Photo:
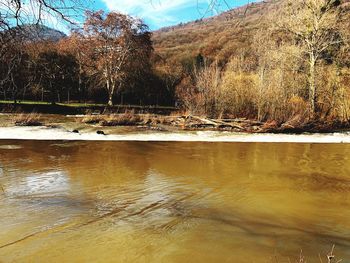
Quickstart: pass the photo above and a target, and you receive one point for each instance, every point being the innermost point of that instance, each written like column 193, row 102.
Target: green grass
column 25, row 102
column 82, row 105
column 29, row 102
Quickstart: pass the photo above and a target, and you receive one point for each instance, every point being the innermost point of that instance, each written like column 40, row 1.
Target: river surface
column 104, row 201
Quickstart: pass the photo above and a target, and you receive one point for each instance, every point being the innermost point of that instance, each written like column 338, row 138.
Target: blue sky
column 161, row 13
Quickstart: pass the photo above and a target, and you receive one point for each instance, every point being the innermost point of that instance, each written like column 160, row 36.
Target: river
column 134, row 201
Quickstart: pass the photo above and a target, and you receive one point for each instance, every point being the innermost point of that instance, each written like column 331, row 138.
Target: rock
column 101, row 132
column 75, row 131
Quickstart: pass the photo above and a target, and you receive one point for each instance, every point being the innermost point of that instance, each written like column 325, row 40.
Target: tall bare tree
column 207, row 80
column 118, row 45
column 314, row 26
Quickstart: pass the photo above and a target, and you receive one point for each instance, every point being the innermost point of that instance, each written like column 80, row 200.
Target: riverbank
column 45, row 133
column 29, row 113
column 130, row 120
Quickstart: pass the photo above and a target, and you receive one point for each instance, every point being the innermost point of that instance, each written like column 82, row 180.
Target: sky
column 155, row 13
column 162, row 13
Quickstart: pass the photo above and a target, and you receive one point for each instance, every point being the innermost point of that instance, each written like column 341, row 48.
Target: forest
column 108, row 60
column 281, row 61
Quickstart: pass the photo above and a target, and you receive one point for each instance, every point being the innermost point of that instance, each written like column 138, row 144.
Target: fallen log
column 222, row 124
column 213, row 123
column 205, row 120
column 252, row 122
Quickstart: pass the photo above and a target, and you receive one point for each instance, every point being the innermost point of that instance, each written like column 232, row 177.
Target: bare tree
column 15, row 13
column 118, row 45
column 207, row 81
column 73, row 46
column 314, row 26
column 19, row 12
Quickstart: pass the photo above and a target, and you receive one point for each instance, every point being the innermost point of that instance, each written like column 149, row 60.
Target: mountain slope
column 217, row 37
column 33, row 33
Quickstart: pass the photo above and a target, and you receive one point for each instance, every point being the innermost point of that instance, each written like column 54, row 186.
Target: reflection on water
column 172, row 202
column 34, row 184
column 10, row 147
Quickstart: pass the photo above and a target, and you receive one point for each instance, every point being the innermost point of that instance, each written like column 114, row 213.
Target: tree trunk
column 79, row 88
column 52, row 95
column 110, row 99
column 261, row 87
column 110, row 93
column 24, row 92
column 312, row 85
column 84, row 93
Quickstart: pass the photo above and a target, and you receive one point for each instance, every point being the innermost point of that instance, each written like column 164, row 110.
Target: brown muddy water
column 172, row 201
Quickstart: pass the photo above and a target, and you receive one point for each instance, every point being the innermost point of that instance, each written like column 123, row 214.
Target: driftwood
column 183, row 122
column 222, row 124
column 204, row 120
column 214, row 123
column 251, row 122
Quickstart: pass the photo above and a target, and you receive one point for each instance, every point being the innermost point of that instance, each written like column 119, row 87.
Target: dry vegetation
column 282, row 62
column 128, row 118
column 32, row 119
column 183, row 121
column 278, row 63
column 330, row 257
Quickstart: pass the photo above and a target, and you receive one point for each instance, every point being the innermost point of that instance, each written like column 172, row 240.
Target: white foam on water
column 44, row 133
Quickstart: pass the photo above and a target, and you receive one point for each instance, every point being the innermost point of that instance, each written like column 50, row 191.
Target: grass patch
column 92, row 119
column 128, row 118
column 32, row 119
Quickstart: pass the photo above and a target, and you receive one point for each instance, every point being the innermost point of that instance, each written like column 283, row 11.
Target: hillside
column 218, row 37
column 289, row 74
column 35, row 33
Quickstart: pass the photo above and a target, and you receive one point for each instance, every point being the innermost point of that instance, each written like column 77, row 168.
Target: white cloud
column 159, row 13
column 155, row 12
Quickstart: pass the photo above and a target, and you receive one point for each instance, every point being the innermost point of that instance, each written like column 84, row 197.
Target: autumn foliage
column 108, row 60
column 283, row 61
